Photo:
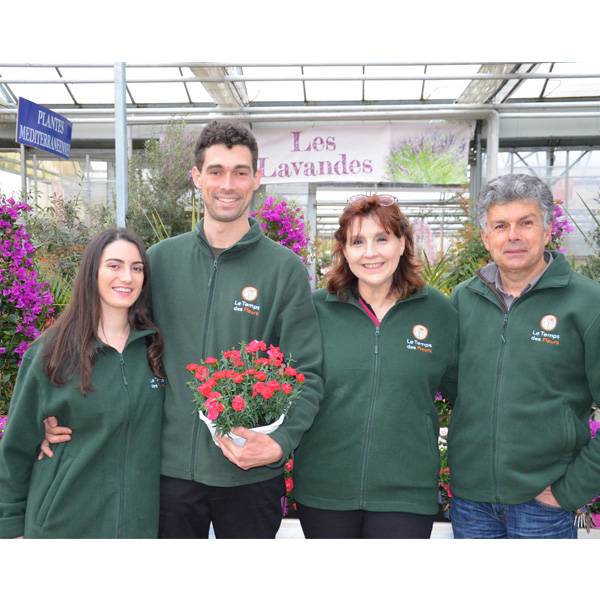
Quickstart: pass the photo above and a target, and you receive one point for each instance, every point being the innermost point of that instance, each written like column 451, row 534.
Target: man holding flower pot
column 521, row 456
column 222, row 284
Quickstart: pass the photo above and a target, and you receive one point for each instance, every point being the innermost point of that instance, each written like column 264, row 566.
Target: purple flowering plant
column 3, row 420
column 560, row 227
column 595, row 503
column 588, row 516
column 25, row 299
column 284, row 222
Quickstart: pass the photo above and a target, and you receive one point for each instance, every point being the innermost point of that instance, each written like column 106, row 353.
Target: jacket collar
column 352, row 300
column 252, row 237
column 134, row 334
column 557, row 275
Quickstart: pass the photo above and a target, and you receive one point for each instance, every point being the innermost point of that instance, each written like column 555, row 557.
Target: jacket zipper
column 374, row 381
column 373, row 395
column 211, row 293
column 495, row 466
column 122, row 499
column 495, row 406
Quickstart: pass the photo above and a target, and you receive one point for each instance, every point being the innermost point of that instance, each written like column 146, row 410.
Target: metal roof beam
column 243, row 78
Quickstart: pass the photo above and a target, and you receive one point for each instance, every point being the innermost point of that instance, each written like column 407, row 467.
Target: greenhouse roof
column 87, row 91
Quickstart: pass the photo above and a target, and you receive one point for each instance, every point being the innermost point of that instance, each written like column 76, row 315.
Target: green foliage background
column 162, row 198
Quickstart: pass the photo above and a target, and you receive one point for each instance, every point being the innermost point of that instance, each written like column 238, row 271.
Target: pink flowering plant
column 3, row 420
column 247, row 387
column 444, row 413
column 594, row 505
column 588, row 516
column 284, row 223
column 288, row 502
column 25, row 299
column 560, row 227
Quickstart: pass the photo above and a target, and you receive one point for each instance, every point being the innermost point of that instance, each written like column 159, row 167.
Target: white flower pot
column 236, row 439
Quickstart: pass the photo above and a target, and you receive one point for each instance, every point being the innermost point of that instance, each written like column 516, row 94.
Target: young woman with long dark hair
column 98, row 368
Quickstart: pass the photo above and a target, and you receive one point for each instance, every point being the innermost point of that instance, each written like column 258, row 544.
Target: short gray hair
column 509, row 188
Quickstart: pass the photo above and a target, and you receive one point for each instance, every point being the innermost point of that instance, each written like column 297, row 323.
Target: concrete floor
column 290, row 529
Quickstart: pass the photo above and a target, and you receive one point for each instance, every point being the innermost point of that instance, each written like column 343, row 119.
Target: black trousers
column 352, row 524
column 251, row 511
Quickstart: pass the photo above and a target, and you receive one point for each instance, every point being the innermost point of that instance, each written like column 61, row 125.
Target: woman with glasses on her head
column 368, row 467
column 98, row 368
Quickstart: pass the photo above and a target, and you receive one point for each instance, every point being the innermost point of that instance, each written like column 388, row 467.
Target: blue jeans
column 527, row 520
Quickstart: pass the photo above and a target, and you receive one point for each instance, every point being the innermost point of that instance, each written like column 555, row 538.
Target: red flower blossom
column 286, row 388
column 255, row 346
column 300, row 378
column 260, row 376
column 234, row 356
column 206, row 388
column 290, row 371
column 214, row 408
column 211, row 360
column 238, row 404
column 201, row 373
column 289, row 484
column 289, row 465
column 263, row 389
column 274, row 353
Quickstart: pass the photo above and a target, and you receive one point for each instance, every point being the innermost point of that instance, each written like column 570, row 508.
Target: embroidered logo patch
column 157, row 382
column 546, row 333
column 420, row 333
column 249, row 293
column 548, row 322
column 247, row 304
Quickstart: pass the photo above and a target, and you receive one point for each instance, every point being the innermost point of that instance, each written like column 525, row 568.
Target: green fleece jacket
column 105, row 482
column 374, row 444
column 527, row 379
column 257, row 289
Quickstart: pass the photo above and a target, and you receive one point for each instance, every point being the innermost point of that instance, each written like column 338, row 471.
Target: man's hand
column 547, row 497
column 259, row 450
column 54, row 435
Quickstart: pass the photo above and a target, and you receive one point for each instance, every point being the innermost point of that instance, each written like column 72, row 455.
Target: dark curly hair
column 228, row 134
column 406, row 279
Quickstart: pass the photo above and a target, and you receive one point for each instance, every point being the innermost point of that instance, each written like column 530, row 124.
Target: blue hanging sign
column 42, row 128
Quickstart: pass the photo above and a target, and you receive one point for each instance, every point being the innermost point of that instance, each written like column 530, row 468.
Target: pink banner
column 407, row 152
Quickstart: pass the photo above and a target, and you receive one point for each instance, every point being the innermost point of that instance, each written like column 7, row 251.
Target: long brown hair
column 70, row 343
column 406, row 279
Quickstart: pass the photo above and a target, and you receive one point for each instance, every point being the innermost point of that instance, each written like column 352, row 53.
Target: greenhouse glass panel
column 532, row 88
column 333, row 90
column 274, row 91
column 40, row 93
column 156, row 92
column 440, row 89
column 561, row 88
column 393, row 90
column 91, row 93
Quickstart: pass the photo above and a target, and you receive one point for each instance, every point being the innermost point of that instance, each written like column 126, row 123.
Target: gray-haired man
column 521, row 456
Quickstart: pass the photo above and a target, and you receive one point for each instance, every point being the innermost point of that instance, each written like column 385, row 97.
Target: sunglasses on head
column 384, row 199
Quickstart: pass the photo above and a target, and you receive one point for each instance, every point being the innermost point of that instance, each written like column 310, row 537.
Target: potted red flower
column 249, row 387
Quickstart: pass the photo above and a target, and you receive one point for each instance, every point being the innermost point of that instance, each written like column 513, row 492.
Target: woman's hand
column 55, row 434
